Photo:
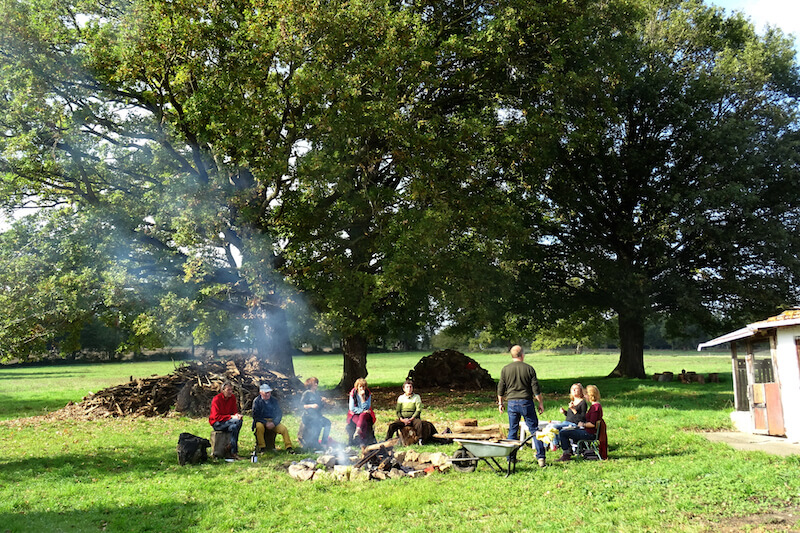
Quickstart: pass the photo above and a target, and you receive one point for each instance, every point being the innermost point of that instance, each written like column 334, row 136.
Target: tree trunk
column 631, row 346
column 272, row 338
column 354, row 349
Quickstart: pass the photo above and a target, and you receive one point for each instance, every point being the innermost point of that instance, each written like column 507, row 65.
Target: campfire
column 376, row 462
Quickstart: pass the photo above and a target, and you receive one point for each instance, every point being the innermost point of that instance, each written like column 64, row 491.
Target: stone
column 301, row 472
column 342, row 472
column 359, row 474
column 438, row 459
column 327, row 461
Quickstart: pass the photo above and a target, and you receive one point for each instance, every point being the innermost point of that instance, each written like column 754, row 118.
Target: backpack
column 192, row 449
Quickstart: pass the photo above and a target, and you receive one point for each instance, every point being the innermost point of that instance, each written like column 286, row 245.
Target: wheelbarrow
column 466, row 458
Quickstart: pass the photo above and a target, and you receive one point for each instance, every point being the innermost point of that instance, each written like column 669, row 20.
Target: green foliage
column 660, row 180
column 496, row 166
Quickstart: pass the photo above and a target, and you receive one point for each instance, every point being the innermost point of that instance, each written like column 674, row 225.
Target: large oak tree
column 670, row 155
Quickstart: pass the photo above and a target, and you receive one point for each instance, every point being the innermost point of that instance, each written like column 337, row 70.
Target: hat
column 265, row 388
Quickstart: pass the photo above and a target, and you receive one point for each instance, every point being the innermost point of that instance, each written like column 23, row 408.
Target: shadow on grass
column 166, row 516
column 40, row 375
column 12, row 407
column 89, row 467
column 646, row 393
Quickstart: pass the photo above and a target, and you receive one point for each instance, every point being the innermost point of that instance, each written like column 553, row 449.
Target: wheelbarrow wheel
column 462, row 462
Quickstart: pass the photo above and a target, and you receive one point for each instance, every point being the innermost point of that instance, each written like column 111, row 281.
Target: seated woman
column 586, row 430
column 360, row 417
column 312, row 421
column 575, row 414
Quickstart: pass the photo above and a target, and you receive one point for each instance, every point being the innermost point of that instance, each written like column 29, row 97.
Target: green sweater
column 518, row 382
column 409, row 407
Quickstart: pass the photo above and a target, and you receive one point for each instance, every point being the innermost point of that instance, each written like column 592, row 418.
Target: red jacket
column 222, row 408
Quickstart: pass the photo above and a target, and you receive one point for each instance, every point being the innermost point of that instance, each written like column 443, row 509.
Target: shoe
column 290, row 450
column 236, row 457
column 542, row 463
column 263, row 449
column 566, row 456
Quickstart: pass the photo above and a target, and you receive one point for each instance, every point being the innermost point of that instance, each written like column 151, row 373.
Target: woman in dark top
column 586, row 430
column 313, row 421
column 575, row 413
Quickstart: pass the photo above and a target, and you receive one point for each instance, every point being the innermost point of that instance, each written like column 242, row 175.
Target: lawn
column 663, row 475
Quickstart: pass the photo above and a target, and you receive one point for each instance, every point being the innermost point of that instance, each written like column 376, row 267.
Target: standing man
column 225, row 416
column 519, row 385
column 267, row 415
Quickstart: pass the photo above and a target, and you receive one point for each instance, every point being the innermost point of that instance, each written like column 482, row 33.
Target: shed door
column 767, row 406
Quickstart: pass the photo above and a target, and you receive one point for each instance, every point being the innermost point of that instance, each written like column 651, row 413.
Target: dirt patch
column 785, row 519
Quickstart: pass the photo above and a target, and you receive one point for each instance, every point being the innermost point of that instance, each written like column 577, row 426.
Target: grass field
column 663, row 475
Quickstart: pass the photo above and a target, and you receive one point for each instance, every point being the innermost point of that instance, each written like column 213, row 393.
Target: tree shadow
column 91, row 467
column 40, row 375
column 165, row 516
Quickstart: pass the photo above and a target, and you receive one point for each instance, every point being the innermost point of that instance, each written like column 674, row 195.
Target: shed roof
column 787, row 318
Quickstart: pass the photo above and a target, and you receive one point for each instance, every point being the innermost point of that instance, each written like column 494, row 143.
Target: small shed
column 765, row 359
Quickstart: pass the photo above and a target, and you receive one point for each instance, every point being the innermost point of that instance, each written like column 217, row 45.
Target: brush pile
column 188, row 390
column 452, row 370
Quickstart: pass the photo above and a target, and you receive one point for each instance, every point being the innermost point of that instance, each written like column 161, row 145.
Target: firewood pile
column 452, row 370
column 468, row 429
column 188, row 390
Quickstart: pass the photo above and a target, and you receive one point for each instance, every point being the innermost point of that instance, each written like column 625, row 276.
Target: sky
column 784, row 14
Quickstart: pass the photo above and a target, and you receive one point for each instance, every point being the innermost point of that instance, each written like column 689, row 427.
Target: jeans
column 518, row 409
column 312, row 426
column 574, row 435
column 231, row 426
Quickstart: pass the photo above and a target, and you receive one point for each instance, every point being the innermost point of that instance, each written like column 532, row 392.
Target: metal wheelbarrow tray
column 466, row 458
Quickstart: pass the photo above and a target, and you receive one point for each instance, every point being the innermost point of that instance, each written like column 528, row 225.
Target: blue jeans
column 518, row 409
column 574, row 435
column 231, row 426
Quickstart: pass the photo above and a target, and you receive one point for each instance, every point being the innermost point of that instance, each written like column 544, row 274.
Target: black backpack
column 192, row 449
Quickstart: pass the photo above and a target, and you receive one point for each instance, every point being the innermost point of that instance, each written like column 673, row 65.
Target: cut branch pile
column 188, row 390
column 452, row 370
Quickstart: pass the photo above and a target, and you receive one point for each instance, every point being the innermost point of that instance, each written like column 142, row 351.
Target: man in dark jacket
column 267, row 417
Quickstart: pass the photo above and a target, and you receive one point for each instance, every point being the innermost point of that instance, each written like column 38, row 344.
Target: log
column 494, row 428
column 220, row 444
column 470, row 436
column 388, row 444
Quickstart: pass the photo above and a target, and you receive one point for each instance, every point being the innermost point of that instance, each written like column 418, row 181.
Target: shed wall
column 787, row 361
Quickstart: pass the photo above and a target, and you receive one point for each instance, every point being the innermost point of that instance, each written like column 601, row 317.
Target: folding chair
column 598, row 444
